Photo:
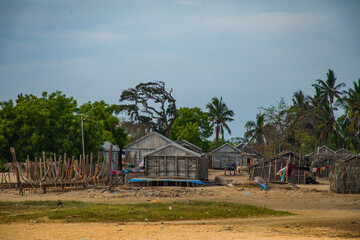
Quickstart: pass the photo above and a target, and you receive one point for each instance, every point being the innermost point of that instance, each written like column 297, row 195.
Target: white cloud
column 267, row 24
column 187, row 2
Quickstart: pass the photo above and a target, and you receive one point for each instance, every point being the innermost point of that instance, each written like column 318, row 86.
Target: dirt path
column 303, row 225
column 320, row 214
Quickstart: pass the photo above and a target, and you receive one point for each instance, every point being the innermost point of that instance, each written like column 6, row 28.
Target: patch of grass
column 76, row 211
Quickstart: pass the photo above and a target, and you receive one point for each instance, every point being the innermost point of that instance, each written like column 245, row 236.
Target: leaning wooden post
column 17, row 169
column 108, row 165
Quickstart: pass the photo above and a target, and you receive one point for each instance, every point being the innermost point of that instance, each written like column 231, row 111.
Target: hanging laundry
column 283, row 179
column 281, row 171
column 291, row 168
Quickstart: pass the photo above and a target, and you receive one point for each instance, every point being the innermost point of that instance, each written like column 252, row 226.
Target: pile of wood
column 60, row 171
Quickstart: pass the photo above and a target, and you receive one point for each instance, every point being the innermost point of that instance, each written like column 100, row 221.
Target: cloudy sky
column 251, row 53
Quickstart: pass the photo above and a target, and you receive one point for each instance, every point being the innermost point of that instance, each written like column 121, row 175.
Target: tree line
column 52, row 122
column 310, row 121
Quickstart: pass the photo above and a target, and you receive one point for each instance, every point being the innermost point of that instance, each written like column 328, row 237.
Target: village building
column 224, row 155
column 189, row 145
column 268, row 169
column 136, row 150
column 248, row 155
column 115, row 155
column 344, row 176
column 175, row 161
column 325, row 156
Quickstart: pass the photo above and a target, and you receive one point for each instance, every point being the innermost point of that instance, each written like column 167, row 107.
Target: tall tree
column 276, row 118
column 300, row 132
column 331, row 93
column 100, row 115
column 219, row 115
column 192, row 125
column 151, row 105
column 255, row 131
column 52, row 123
column 352, row 108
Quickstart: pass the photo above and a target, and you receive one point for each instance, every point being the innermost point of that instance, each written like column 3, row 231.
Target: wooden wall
column 176, row 167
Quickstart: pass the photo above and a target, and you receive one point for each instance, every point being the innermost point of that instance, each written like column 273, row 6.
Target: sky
column 250, row 53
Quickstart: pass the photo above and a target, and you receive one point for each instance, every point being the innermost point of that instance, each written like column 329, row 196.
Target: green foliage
column 150, row 105
column 52, row 123
column 193, row 126
column 101, row 124
column 219, row 115
column 37, row 124
column 309, row 122
column 75, row 211
column 213, row 145
column 2, row 166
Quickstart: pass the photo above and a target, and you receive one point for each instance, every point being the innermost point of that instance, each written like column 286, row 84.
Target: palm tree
column 255, row 131
column 330, row 93
column 300, row 101
column 351, row 102
column 219, row 115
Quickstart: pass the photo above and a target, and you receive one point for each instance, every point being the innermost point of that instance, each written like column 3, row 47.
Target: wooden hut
column 224, row 155
column 175, row 161
column 248, row 155
column 115, row 158
column 324, row 156
column 344, row 176
column 268, row 169
column 136, row 150
column 189, row 145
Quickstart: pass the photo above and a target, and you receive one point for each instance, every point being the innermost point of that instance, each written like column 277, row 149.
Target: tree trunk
column 217, row 129
column 333, row 127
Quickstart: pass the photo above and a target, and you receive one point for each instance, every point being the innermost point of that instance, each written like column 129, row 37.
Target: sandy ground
column 319, row 213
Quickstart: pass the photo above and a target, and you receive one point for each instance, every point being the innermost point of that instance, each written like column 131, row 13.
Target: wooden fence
column 60, row 171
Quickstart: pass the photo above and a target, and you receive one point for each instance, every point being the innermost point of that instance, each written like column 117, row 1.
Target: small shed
column 224, row 155
column 324, row 156
column 344, row 176
column 248, row 155
column 269, row 168
column 136, row 150
column 115, row 158
column 189, row 145
column 175, row 161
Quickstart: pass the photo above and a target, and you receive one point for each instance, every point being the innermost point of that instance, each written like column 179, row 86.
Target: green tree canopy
column 52, row 123
column 192, row 125
column 100, row 118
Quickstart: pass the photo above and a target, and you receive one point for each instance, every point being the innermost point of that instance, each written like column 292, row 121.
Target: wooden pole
column 269, row 172
column 16, row 166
